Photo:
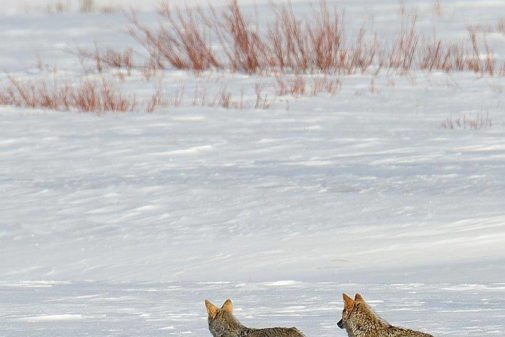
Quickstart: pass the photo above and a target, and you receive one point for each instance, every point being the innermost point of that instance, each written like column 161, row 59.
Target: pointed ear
column 349, row 302
column 227, row 306
column 359, row 298
column 212, row 310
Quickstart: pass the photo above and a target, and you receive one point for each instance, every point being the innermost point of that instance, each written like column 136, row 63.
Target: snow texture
column 55, row 309
column 122, row 224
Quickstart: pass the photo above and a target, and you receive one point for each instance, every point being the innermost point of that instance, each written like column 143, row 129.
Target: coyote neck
column 372, row 326
column 368, row 331
column 390, row 331
column 233, row 330
column 245, row 331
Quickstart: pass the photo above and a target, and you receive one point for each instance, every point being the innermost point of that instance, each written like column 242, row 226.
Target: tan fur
column 348, row 302
column 359, row 319
column 359, row 298
column 211, row 309
column 227, row 306
column 222, row 323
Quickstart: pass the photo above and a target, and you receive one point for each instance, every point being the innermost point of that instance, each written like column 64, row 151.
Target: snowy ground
column 328, row 187
column 113, row 225
column 176, row 309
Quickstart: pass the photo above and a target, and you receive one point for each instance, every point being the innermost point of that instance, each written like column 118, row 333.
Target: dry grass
column 182, row 41
column 157, row 100
column 412, row 51
column 58, row 7
column 289, row 46
column 241, row 41
column 86, row 6
column 296, row 86
column 500, row 27
column 404, row 49
column 437, row 9
column 90, row 6
column 326, row 85
column 223, row 98
column 88, row 96
column 262, row 100
column 81, row 6
column 220, row 98
column 476, row 122
column 108, row 58
column 197, row 39
column 300, row 85
column 326, row 40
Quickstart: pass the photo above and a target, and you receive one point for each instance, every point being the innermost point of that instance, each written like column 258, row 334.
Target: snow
column 122, row 224
column 210, row 194
column 174, row 309
column 51, row 318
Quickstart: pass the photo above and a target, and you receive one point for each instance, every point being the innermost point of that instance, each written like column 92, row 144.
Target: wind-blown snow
column 331, row 189
column 122, row 224
column 175, row 309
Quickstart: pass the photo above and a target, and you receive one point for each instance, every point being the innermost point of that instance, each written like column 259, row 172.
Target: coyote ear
column 227, row 306
column 211, row 309
column 349, row 302
column 359, row 298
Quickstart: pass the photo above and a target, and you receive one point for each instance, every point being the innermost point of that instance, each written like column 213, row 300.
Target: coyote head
column 358, row 318
column 221, row 320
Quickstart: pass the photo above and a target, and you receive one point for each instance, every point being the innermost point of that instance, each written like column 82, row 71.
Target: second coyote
column 222, row 323
column 361, row 321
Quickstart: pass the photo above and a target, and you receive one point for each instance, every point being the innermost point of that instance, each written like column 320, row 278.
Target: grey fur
column 362, row 321
column 224, row 324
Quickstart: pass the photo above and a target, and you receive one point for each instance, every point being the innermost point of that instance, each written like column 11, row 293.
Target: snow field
column 175, row 309
column 122, row 224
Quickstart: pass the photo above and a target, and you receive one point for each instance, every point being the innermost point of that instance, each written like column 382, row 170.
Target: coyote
column 361, row 321
column 222, row 323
